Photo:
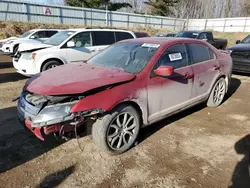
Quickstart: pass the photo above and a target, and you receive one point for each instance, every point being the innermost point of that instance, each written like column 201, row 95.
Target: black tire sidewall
column 101, row 126
column 15, row 49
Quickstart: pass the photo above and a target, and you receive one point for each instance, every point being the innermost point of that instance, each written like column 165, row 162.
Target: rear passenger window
column 200, row 53
column 212, row 54
column 50, row 33
column 122, row 36
column 103, row 37
column 175, row 56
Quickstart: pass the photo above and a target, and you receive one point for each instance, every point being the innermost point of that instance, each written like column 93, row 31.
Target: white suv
column 31, row 36
column 65, row 47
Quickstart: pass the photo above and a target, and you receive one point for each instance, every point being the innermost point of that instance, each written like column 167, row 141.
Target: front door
column 169, row 94
column 80, row 51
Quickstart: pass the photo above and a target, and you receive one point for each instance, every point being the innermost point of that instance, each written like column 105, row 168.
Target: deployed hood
column 32, row 46
column 240, row 47
column 75, row 78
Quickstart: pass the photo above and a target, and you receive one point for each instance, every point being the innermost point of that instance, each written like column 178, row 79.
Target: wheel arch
column 220, row 76
column 226, row 79
column 15, row 46
column 50, row 59
column 134, row 105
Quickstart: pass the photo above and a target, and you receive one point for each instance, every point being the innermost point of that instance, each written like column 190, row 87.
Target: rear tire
column 217, row 94
column 117, row 131
column 50, row 64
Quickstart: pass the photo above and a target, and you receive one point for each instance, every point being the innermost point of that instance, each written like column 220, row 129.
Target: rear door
column 206, row 69
column 101, row 40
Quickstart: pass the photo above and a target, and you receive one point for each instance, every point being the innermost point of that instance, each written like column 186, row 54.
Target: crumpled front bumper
column 25, row 114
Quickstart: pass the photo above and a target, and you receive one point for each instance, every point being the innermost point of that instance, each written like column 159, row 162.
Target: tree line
column 172, row 8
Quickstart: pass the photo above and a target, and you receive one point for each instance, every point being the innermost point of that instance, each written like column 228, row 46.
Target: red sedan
column 127, row 86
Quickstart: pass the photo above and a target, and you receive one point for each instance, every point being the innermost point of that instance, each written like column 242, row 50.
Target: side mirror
column 164, row 71
column 238, row 41
column 71, row 44
column 33, row 37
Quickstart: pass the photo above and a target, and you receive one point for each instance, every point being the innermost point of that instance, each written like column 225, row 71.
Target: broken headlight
column 53, row 114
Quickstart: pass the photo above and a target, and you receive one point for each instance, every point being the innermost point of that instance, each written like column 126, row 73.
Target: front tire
column 217, row 94
column 15, row 49
column 117, row 131
column 50, row 64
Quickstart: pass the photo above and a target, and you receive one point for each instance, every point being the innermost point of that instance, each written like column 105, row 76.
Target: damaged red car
column 129, row 85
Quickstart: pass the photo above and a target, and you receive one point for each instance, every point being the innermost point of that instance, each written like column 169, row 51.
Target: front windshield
column 25, row 34
column 246, row 40
column 187, row 34
column 58, row 38
column 130, row 57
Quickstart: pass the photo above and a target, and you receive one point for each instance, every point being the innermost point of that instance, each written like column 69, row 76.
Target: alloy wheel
column 121, row 131
column 219, row 92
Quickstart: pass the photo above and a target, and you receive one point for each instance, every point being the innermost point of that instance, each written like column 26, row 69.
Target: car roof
column 194, row 31
column 86, row 29
column 46, row 30
column 162, row 40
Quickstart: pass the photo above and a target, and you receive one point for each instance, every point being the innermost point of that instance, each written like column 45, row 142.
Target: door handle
column 216, row 67
column 188, row 76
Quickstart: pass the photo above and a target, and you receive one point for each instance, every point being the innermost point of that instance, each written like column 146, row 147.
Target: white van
column 31, row 36
column 65, row 47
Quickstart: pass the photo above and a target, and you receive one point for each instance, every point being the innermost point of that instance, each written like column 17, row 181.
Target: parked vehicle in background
column 240, row 54
column 165, row 35
column 205, row 36
column 246, row 40
column 31, row 36
column 2, row 42
column 125, row 87
column 65, row 47
column 140, row 34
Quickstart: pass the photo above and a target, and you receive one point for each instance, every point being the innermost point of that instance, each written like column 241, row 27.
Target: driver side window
column 175, row 56
column 82, row 39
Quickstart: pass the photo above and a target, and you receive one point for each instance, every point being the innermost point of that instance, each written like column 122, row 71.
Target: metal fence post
column 6, row 14
column 225, row 25
column 206, row 24
column 244, row 30
column 187, row 24
column 61, row 15
column 161, row 22
column 128, row 21
column 175, row 23
column 91, row 16
column 110, row 19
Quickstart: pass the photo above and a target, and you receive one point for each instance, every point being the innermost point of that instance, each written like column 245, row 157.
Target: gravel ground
column 201, row 147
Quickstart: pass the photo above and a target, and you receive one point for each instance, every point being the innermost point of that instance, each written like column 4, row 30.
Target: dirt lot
column 201, row 147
